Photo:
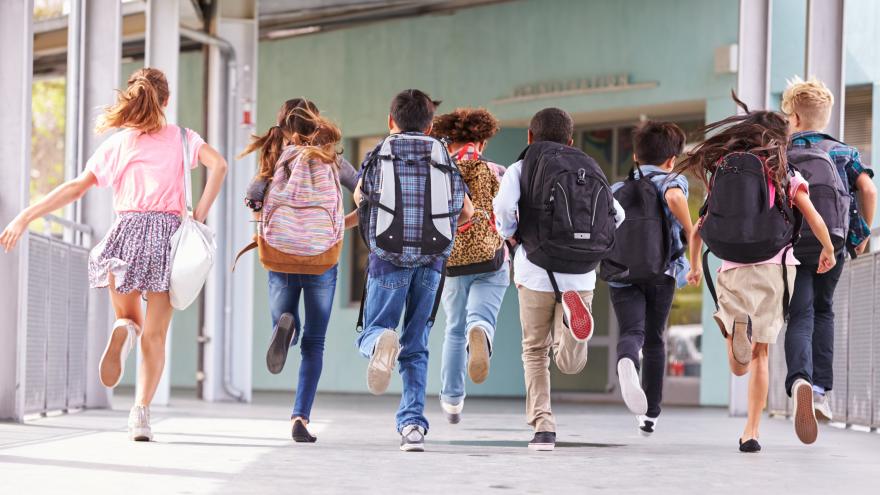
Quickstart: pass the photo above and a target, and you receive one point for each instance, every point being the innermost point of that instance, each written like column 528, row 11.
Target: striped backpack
column 412, row 197
column 302, row 221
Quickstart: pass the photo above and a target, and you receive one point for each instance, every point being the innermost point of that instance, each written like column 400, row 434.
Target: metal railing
column 57, row 317
column 855, row 399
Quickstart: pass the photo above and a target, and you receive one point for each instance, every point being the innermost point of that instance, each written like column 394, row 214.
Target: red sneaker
column 577, row 316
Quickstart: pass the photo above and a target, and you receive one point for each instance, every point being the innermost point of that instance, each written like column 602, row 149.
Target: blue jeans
column 317, row 291
column 468, row 301
column 388, row 294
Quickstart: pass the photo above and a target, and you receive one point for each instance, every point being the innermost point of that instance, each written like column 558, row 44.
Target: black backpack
column 643, row 245
column 828, row 192
column 740, row 222
column 566, row 210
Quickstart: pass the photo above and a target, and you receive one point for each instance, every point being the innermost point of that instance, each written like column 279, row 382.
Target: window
column 360, row 252
column 857, row 120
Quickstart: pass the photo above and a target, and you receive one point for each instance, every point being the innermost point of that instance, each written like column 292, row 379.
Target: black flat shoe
column 749, row 446
column 301, row 434
column 276, row 356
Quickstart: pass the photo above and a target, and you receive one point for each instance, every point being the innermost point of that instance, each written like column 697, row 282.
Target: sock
column 819, row 390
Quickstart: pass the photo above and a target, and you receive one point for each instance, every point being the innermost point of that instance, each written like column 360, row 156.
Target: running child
column 297, row 191
column 848, row 211
column 477, row 272
column 751, row 217
column 564, row 224
column 410, row 199
column 144, row 164
column 650, row 244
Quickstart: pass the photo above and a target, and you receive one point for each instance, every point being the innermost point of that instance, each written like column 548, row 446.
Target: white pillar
column 229, row 296
column 100, row 65
column 162, row 42
column 753, row 88
column 825, row 57
column 16, row 71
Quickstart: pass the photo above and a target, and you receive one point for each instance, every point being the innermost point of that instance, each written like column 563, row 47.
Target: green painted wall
column 473, row 57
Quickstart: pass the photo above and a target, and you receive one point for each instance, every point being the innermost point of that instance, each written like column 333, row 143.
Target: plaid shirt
column 850, row 167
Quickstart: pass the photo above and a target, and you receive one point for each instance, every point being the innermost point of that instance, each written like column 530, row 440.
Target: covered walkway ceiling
column 278, row 19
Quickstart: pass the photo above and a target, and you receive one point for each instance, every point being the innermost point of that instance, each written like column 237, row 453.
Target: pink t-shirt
column 145, row 170
column 796, row 183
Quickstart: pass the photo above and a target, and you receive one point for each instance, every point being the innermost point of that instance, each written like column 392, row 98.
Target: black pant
column 642, row 311
column 809, row 340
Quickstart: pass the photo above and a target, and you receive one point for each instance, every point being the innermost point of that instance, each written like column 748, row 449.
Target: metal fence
column 855, row 399
column 57, row 318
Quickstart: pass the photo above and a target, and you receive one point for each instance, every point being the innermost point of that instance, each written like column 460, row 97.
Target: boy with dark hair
column 408, row 178
column 642, row 306
column 554, row 306
column 809, row 338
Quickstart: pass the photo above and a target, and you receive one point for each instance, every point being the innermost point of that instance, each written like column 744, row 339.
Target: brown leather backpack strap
column 252, row 245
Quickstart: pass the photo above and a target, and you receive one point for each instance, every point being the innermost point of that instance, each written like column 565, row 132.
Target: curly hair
column 465, row 125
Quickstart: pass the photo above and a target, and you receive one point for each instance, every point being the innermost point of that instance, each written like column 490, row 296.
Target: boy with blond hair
column 809, row 341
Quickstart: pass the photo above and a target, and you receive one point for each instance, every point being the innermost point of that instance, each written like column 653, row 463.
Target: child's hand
column 12, row 233
column 695, row 275
column 861, row 247
column 827, row 260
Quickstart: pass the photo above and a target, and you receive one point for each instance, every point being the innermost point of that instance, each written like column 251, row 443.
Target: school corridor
column 244, row 448
column 221, row 418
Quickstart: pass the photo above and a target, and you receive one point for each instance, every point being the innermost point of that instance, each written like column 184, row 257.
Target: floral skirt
column 136, row 252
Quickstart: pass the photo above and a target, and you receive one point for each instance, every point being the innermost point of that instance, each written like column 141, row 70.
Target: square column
column 16, row 72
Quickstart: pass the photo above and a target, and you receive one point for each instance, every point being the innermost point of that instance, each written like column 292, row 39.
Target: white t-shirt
column 526, row 273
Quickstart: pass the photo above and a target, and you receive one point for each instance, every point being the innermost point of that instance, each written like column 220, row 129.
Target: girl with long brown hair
column 143, row 163
column 752, row 296
column 296, row 187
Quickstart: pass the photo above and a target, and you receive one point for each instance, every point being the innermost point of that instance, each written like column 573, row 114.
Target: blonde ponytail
column 140, row 106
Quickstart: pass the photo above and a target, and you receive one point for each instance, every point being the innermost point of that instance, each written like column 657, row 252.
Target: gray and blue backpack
column 412, row 197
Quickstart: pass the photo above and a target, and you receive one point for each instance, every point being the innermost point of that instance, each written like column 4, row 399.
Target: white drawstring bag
column 192, row 246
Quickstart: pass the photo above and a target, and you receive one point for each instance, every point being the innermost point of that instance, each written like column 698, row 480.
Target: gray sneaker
column 822, row 407
column 382, row 362
column 139, row 424
column 412, row 438
column 452, row 412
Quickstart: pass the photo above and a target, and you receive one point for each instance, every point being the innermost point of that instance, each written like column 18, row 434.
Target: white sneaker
column 452, row 412
column 631, row 387
column 804, row 414
column 412, row 438
column 121, row 342
column 382, row 362
column 647, row 425
column 822, row 407
column 139, row 424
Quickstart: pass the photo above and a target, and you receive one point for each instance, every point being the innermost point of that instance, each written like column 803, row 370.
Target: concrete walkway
column 246, row 448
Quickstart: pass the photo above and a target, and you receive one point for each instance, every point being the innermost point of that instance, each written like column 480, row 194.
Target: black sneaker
column 412, row 438
column 543, row 441
column 647, row 425
column 276, row 356
column 301, row 434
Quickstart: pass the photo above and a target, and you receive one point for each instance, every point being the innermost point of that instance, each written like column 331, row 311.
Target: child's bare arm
column 60, row 197
column 820, row 230
column 867, row 196
column 695, row 245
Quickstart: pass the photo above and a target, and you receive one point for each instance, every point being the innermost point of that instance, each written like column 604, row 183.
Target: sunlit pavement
column 246, row 448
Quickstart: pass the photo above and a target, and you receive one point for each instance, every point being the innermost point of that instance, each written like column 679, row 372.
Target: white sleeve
column 620, row 214
column 506, row 203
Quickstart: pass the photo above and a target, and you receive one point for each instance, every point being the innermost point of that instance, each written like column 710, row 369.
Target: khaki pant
column 543, row 331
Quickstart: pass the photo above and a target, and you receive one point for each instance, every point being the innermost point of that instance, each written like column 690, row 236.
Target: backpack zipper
column 567, row 205
column 595, row 206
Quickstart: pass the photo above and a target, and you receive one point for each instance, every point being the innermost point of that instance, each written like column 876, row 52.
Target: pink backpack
column 303, row 213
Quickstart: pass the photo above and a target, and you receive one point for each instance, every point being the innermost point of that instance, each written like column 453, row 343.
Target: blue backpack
column 412, row 195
